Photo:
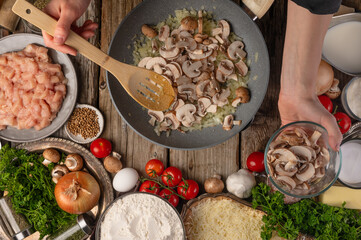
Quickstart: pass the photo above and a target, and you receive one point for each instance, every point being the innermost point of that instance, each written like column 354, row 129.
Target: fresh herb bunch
column 307, row 216
column 29, row 184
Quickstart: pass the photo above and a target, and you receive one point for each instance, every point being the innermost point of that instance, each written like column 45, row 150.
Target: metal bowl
column 98, row 227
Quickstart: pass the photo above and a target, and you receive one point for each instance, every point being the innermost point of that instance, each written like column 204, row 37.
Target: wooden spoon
column 148, row 88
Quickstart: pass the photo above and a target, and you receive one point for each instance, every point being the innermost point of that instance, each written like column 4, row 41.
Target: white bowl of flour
column 140, row 216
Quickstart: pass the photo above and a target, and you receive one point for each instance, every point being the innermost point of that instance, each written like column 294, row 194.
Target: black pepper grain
column 84, row 122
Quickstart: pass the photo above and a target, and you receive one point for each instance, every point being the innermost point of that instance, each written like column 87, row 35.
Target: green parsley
column 31, row 189
column 322, row 221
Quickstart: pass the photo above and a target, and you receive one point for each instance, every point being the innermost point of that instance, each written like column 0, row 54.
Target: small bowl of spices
column 85, row 124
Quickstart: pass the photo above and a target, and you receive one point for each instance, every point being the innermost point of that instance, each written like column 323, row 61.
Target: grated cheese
column 226, row 219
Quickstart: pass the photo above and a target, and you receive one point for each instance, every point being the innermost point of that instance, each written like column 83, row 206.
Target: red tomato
column 326, row 102
column 150, row 187
column 170, row 196
column 343, row 121
column 154, row 168
column 255, row 162
column 172, row 176
column 101, row 148
column 188, row 189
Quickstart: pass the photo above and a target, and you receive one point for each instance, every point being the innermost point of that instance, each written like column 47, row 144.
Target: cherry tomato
column 255, row 162
column 172, row 176
column 189, row 189
column 343, row 121
column 101, row 148
column 326, row 102
column 170, row 196
column 150, row 187
column 154, row 168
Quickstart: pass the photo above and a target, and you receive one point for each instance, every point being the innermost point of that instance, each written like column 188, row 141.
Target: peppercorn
column 84, row 122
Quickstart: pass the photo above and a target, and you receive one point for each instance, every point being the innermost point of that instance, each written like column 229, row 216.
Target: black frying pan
column 154, row 11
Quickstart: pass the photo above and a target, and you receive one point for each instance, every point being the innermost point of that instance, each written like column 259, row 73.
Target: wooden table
column 223, row 159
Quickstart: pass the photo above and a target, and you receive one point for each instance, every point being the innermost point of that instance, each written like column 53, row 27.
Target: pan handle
column 257, row 8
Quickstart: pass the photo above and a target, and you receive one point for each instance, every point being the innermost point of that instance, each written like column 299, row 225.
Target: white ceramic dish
column 345, row 102
column 17, row 42
column 79, row 138
column 337, row 20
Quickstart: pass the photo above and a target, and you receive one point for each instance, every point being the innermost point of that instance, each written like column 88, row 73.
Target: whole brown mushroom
column 74, row 162
column 112, row 164
column 243, row 94
column 189, row 23
column 214, row 184
column 50, row 156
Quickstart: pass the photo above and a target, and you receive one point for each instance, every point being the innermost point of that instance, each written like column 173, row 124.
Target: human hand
column 67, row 11
column 293, row 108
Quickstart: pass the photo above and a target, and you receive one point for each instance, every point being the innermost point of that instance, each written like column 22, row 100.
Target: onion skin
column 87, row 197
column 325, row 77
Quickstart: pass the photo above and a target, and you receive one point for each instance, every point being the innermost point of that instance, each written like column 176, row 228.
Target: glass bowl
column 101, row 219
column 332, row 169
column 350, row 164
column 344, row 101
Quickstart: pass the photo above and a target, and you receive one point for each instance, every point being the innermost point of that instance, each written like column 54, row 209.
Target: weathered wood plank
column 199, row 165
column 135, row 150
column 266, row 121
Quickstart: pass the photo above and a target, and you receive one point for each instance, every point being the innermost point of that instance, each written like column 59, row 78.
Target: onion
column 324, row 78
column 77, row 192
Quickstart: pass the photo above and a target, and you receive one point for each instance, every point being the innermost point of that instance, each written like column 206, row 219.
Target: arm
column 301, row 57
column 67, row 11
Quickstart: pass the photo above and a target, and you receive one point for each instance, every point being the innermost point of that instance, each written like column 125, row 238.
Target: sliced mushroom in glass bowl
column 299, row 160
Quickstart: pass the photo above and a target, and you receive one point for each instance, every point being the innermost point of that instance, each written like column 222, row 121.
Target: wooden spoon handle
column 48, row 24
column 258, row 7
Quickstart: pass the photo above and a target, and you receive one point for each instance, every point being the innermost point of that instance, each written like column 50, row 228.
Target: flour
column 141, row 217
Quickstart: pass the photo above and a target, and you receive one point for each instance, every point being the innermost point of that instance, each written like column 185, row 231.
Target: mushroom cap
column 192, row 69
column 171, row 119
column 163, row 33
column 286, row 181
column 74, row 162
column 242, row 68
column 142, row 63
column 306, row 173
column 185, row 114
column 59, row 171
column 51, row 155
column 228, row 122
column 243, row 94
column 280, row 170
column 203, row 104
column 155, row 61
column 302, row 152
column 213, row 185
column 158, row 115
column 148, row 31
column 226, row 67
column 189, row 23
column 235, row 50
column 112, row 164
column 226, row 30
